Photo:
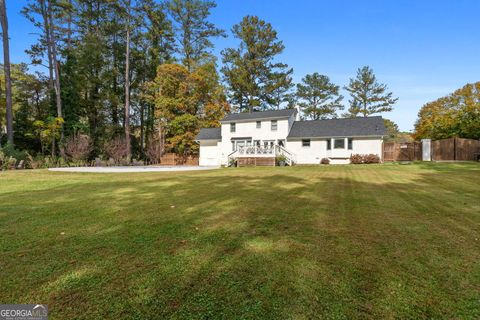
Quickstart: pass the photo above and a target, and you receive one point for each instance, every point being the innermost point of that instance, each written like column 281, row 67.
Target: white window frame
column 306, row 140
column 274, row 125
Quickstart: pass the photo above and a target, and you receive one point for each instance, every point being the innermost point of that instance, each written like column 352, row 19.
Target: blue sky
column 421, row 49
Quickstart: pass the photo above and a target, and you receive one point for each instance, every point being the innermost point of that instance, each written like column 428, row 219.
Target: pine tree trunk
column 56, row 65
column 6, row 66
column 46, row 27
column 127, row 84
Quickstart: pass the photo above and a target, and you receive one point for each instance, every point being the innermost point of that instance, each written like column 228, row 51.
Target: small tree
column 49, row 132
column 367, row 95
column 318, row 97
column 182, row 131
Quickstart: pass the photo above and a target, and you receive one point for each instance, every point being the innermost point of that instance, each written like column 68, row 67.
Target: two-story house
column 269, row 134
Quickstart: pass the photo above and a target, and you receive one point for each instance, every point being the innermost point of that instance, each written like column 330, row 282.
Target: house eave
column 335, row 137
column 255, row 119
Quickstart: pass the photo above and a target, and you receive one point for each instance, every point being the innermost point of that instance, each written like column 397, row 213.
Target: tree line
column 139, row 77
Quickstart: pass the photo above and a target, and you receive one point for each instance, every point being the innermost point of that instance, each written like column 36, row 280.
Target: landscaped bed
column 342, row 242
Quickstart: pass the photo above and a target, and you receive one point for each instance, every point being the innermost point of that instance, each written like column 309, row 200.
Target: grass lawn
column 334, row 242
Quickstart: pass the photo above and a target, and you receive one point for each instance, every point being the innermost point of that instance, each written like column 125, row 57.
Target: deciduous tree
column 455, row 115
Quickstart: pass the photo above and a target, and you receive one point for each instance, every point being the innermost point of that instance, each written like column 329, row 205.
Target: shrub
column 371, row 158
column 9, row 150
column 364, row 158
column 44, row 162
column 356, row 159
column 154, row 150
column 281, row 160
column 325, row 161
column 78, row 147
column 117, row 150
column 7, row 162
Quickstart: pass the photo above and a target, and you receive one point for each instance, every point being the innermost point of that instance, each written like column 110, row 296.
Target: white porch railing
column 256, row 151
column 259, row 151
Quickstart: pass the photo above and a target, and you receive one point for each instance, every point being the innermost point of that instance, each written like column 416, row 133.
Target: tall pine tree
column 193, row 30
column 255, row 80
column 368, row 96
column 318, row 97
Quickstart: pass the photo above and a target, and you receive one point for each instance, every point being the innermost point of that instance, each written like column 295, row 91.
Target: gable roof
column 349, row 127
column 209, row 134
column 258, row 115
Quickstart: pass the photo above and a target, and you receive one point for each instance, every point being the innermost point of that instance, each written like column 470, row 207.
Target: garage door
column 208, row 154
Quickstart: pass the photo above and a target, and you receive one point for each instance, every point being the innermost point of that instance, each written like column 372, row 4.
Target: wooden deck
column 256, row 161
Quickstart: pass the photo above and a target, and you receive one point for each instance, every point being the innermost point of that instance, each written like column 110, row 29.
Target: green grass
column 333, row 242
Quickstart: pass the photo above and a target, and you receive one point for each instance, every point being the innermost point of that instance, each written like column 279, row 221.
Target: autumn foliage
column 456, row 115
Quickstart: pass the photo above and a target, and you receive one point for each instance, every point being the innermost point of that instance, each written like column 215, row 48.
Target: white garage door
column 209, row 154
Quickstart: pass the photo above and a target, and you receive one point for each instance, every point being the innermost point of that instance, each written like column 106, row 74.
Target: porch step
column 255, row 161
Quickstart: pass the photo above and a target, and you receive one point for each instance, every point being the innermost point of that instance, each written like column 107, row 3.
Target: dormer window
column 232, row 127
column 274, row 125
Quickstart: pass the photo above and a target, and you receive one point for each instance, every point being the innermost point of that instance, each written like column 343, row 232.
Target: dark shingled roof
column 271, row 114
column 349, row 127
column 209, row 134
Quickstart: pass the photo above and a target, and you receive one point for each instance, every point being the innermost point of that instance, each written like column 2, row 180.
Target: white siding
column 249, row 129
column 318, row 150
column 308, row 155
column 368, row 146
column 209, row 153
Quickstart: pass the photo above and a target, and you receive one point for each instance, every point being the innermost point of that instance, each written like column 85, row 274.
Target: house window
column 329, row 144
column 305, row 142
column 339, row 143
column 350, row 144
column 259, row 124
column 232, row 127
column 268, row 143
column 274, row 125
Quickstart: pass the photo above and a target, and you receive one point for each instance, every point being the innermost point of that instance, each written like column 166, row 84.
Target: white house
column 280, row 132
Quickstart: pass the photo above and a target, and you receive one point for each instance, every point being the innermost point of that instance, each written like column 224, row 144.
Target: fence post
column 426, row 150
column 455, row 148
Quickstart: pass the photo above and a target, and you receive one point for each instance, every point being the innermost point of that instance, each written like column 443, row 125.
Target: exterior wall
column 368, row 146
column 318, row 150
column 245, row 129
column 209, row 153
column 308, row 155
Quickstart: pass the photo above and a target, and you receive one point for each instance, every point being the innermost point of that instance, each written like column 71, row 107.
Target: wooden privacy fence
column 173, row 159
column 455, row 149
column 410, row 151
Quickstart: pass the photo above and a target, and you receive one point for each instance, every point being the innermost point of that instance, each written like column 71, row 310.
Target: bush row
column 364, row 158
